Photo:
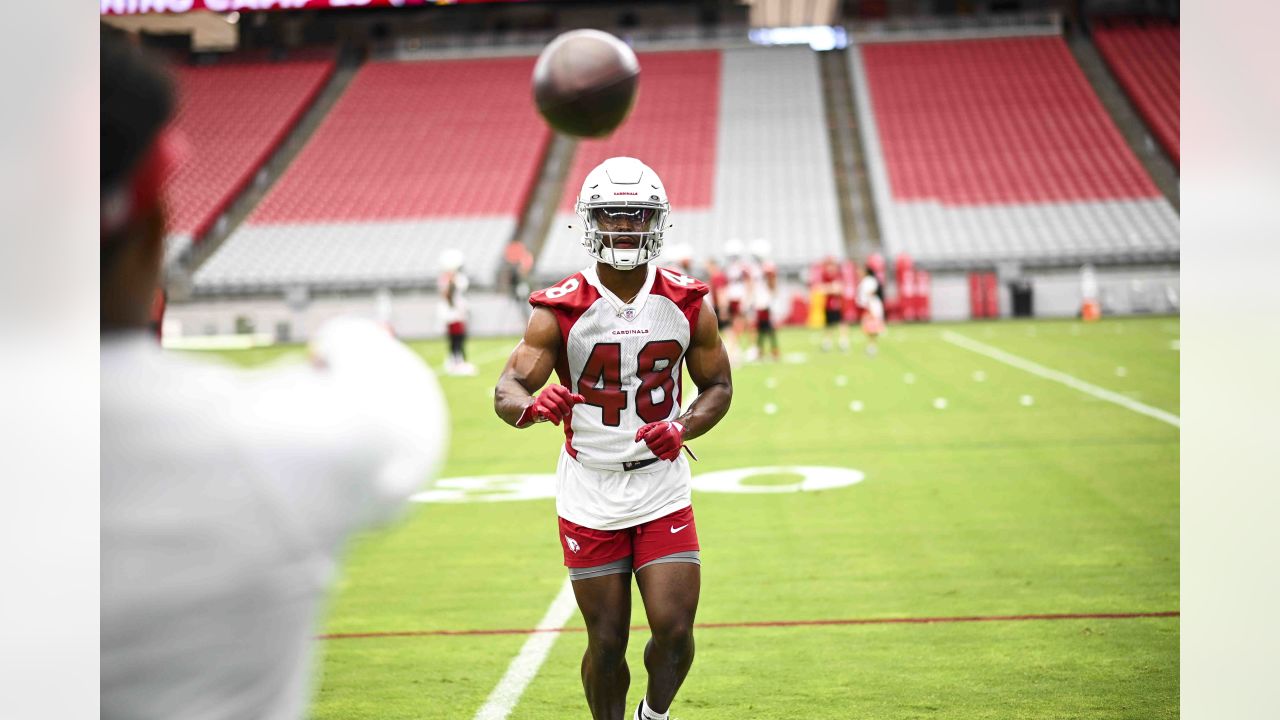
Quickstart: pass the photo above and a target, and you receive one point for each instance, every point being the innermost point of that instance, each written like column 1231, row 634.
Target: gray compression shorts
column 624, row 565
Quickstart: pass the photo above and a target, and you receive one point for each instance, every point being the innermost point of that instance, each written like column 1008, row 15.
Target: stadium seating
column 232, row 116
column 413, row 158
column 1145, row 59
column 987, row 151
column 739, row 138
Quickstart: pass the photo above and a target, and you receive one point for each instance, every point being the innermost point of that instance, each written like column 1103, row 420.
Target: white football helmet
column 623, row 187
column 679, row 252
column 734, row 249
column 761, row 250
column 451, row 260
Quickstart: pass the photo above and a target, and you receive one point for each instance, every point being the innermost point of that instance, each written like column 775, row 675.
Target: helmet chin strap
column 613, row 259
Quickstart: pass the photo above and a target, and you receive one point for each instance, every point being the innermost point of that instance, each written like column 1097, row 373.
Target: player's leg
column 669, row 577
column 760, row 331
column 832, row 317
column 670, row 591
column 455, row 345
column 768, row 335
column 605, row 602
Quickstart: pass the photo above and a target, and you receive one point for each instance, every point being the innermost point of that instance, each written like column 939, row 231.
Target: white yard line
column 525, row 666
column 1060, row 377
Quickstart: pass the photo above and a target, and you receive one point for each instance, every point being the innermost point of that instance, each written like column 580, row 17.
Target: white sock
column 646, row 713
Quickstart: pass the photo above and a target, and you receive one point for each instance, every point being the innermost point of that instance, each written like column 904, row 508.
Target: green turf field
column 1018, row 497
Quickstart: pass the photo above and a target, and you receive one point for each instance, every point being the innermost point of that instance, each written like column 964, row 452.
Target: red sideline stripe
column 778, row 623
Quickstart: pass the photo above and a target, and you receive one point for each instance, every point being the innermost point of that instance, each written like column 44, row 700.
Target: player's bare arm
column 708, row 365
column 527, row 370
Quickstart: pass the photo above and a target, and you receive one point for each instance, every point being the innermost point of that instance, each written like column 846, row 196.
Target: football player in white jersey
column 736, row 270
column 618, row 335
column 764, row 286
column 453, row 284
column 871, row 299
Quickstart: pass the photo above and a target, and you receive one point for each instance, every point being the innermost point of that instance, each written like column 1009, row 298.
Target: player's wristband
column 529, row 416
column 686, row 448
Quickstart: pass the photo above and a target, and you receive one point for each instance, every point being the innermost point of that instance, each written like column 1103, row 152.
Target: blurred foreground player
column 226, row 496
column 617, row 334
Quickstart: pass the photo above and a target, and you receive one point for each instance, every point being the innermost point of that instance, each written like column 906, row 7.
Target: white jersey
column 868, row 298
column 226, row 497
column 738, row 273
column 762, row 296
column 627, row 360
column 457, row 311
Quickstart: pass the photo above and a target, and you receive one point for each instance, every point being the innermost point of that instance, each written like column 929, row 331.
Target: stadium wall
column 416, row 315
column 1133, row 290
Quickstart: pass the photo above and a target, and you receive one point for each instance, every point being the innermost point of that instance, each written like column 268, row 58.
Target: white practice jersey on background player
column 868, row 298
column 457, row 312
column 761, row 295
column 738, row 272
column 626, row 359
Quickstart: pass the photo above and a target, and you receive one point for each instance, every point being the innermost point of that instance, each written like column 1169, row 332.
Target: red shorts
column 457, row 328
column 584, row 547
column 735, row 308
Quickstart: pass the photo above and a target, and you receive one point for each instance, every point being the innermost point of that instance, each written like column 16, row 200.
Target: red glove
column 664, row 438
column 554, row 403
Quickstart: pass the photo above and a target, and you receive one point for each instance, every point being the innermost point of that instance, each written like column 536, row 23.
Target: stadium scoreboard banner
column 138, row 7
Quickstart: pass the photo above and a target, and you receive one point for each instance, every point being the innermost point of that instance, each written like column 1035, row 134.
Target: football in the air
column 585, row 83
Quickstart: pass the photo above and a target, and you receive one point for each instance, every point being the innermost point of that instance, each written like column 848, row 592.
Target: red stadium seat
column 1005, row 121
column 233, row 116
column 672, row 128
column 413, row 140
column 1145, row 60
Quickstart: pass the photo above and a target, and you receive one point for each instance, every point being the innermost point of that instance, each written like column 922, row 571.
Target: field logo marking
column 1060, row 377
column 489, row 488
column 532, row 654
column 813, row 478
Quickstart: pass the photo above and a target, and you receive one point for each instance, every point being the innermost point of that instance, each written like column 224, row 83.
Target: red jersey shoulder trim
column 567, row 300
column 571, row 295
column 681, row 289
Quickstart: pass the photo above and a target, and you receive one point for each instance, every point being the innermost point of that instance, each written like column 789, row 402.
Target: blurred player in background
column 737, row 293
column 871, row 300
column 681, row 257
column 617, row 334
column 453, row 292
column 719, row 283
column 226, row 496
column 831, row 282
column 517, row 261
column 764, row 294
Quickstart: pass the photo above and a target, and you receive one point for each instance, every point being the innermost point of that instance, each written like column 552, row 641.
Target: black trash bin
column 1022, row 298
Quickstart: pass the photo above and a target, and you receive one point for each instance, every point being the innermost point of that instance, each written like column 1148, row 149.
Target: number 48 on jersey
column 601, row 381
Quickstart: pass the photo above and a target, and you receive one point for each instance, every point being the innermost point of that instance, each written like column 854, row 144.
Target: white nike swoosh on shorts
column 675, row 530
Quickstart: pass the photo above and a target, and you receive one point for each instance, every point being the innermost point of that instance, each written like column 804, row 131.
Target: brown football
column 585, row 83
